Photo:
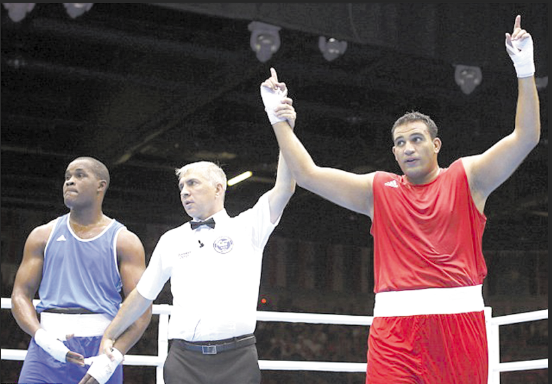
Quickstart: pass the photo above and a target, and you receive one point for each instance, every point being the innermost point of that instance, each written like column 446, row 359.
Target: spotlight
column 18, row 11
column 239, row 178
column 77, row 9
column 468, row 78
column 265, row 40
column 331, row 49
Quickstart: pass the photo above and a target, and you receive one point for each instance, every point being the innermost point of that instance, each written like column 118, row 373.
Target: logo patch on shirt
column 223, row 244
column 184, row 254
column 392, row 183
column 61, row 238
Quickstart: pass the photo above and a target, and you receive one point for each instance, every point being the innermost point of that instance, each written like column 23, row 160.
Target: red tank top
column 426, row 236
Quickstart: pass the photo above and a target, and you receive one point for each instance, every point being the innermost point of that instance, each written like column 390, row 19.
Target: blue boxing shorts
column 40, row 367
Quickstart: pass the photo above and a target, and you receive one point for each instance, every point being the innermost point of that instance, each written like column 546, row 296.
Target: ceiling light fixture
column 239, row 178
column 265, row 40
column 331, row 48
column 77, row 9
column 18, row 11
column 467, row 77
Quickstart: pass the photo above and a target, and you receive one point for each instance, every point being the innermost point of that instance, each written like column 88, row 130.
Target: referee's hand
column 101, row 367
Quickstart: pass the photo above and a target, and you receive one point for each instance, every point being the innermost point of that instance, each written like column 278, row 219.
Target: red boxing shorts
column 429, row 348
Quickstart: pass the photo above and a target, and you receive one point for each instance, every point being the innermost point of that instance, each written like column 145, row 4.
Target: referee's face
column 200, row 198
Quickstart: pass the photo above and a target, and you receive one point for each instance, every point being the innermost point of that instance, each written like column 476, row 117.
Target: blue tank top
column 81, row 273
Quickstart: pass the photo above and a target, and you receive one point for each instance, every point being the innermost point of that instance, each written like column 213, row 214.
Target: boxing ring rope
column 164, row 310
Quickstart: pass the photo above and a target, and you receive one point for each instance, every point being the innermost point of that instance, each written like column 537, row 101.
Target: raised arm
column 283, row 189
column 346, row 189
column 489, row 170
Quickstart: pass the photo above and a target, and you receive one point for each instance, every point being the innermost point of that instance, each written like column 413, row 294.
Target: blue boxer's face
column 81, row 185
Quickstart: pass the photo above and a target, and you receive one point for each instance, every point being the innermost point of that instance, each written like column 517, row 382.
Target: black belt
column 69, row 311
column 217, row 346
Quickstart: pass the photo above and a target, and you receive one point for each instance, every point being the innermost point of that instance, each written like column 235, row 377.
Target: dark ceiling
column 147, row 88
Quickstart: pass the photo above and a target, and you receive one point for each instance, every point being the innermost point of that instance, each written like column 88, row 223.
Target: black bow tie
column 196, row 224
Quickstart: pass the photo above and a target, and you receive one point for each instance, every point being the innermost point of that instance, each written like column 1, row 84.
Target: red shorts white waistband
column 429, row 301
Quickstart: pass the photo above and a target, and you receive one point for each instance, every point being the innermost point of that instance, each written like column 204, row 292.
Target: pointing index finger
column 274, row 74
column 517, row 23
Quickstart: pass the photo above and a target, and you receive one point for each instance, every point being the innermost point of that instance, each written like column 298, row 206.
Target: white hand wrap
column 50, row 344
column 521, row 53
column 271, row 99
column 101, row 367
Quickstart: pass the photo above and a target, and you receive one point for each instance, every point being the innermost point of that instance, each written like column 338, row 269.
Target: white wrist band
column 50, row 344
column 521, row 53
column 101, row 367
column 271, row 99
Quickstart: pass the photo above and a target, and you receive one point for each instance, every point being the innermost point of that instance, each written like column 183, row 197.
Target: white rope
column 13, row 354
column 314, row 318
column 520, row 317
column 311, row 366
column 523, row 365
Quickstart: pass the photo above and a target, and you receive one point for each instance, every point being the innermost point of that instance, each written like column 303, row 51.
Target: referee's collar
column 219, row 217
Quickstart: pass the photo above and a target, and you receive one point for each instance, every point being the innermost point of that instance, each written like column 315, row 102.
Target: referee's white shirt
column 215, row 274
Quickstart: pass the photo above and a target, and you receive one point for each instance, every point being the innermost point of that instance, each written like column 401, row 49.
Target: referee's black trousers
column 237, row 366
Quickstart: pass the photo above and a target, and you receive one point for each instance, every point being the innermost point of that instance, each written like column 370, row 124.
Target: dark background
column 147, row 88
